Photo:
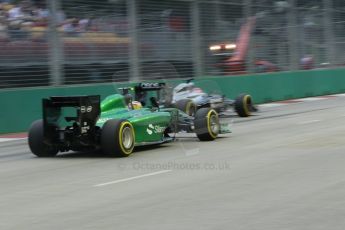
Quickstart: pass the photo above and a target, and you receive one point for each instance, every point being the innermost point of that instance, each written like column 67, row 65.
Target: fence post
column 133, row 45
column 196, row 41
column 328, row 31
column 292, row 35
column 247, row 12
column 55, row 46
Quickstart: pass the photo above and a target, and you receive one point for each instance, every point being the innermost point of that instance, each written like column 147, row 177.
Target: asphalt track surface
column 281, row 169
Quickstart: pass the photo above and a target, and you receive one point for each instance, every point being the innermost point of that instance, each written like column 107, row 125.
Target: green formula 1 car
column 115, row 125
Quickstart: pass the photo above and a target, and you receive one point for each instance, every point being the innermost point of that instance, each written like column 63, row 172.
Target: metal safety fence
column 58, row 42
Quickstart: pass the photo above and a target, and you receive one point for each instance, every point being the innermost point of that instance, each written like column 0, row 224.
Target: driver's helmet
column 183, row 87
column 136, row 105
column 197, row 90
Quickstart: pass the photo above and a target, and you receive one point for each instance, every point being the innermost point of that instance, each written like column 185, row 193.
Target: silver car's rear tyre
column 243, row 105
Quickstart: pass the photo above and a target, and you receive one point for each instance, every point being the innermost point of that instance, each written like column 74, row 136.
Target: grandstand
column 76, row 42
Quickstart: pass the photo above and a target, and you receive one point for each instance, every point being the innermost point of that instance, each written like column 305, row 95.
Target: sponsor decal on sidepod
column 155, row 129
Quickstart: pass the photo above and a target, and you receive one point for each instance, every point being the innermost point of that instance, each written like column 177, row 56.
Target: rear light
column 230, row 46
column 216, row 47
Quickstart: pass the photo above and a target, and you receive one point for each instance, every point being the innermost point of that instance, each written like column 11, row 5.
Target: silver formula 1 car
column 189, row 98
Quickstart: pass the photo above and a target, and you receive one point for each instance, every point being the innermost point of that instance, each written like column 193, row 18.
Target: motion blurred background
column 61, row 42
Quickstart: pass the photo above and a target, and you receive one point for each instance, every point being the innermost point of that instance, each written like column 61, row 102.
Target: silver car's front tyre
column 206, row 124
column 187, row 106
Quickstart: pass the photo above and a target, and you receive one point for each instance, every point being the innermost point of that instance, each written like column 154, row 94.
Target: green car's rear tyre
column 36, row 141
column 186, row 106
column 243, row 104
column 206, row 124
column 117, row 138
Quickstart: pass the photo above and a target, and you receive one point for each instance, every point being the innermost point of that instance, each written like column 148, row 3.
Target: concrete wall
column 19, row 107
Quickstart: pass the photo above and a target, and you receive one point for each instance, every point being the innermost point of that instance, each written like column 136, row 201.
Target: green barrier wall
column 19, row 107
column 281, row 86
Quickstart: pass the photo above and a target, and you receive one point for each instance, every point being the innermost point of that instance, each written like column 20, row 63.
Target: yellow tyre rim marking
column 188, row 107
column 209, row 125
column 245, row 104
column 126, row 151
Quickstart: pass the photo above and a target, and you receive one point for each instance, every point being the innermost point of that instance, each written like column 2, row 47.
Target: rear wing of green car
column 81, row 126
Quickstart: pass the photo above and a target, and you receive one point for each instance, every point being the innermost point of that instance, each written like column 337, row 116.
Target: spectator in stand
column 3, row 21
column 84, row 25
column 15, row 13
column 3, row 28
column 71, row 27
column 60, row 17
column 41, row 15
column 22, row 13
column 15, row 19
column 25, row 19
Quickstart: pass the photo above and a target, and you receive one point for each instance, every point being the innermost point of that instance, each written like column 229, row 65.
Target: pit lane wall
column 19, row 107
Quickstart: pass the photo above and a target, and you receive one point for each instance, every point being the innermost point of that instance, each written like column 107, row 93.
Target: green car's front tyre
column 206, row 124
column 36, row 141
column 117, row 138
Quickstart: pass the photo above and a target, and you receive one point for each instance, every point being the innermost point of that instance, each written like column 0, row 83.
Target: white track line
column 310, row 99
column 298, row 100
column 10, row 139
column 132, row 178
column 308, row 122
column 271, row 105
